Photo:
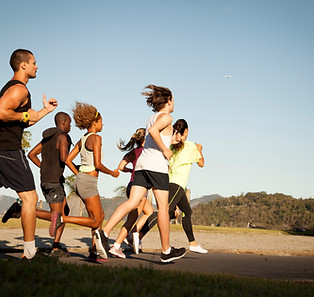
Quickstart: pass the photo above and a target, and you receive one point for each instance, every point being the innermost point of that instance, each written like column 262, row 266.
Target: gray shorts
column 53, row 192
column 85, row 185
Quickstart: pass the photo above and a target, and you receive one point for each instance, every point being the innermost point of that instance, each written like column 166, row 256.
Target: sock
column 116, row 245
column 167, row 252
column 29, row 249
column 106, row 234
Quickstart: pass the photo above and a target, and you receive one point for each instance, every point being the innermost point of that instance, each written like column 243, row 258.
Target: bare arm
column 63, row 147
column 162, row 122
column 128, row 158
column 97, row 158
column 201, row 161
column 16, row 96
column 71, row 156
column 33, row 154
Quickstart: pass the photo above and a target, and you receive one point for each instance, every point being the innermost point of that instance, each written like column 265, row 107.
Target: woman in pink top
column 135, row 147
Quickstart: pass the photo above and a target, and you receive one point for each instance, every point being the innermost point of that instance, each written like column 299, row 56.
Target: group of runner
column 161, row 158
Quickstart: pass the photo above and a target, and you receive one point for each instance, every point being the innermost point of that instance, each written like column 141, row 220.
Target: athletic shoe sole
column 55, row 223
column 99, row 246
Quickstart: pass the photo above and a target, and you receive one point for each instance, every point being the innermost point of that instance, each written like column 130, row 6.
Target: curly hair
column 137, row 139
column 84, row 115
column 179, row 126
column 157, row 97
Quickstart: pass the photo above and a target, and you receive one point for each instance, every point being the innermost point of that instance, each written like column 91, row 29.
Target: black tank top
column 11, row 132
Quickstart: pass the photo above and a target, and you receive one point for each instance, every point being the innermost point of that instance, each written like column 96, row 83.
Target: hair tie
column 96, row 115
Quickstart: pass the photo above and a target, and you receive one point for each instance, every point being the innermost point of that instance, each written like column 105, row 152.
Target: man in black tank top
column 15, row 115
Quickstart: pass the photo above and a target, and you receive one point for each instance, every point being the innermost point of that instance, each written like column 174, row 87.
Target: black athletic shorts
column 151, row 179
column 53, row 192
column 15, row 172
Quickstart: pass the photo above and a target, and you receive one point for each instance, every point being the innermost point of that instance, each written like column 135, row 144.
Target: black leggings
column 177, row 197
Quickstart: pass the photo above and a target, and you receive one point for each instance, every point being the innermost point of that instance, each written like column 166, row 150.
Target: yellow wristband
column 25, row 117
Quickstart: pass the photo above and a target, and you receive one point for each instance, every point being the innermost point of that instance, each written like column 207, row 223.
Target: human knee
column 29, row 199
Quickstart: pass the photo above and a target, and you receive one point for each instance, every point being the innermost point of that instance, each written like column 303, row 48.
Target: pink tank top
column 137, row 152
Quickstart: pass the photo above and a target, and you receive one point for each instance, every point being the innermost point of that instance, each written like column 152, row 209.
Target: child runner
column 151, row 171
column 85, row 185
column 138, row 140
column 54, row 148
column 184, row 154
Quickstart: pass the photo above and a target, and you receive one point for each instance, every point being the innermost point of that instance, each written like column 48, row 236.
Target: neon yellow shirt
column 181, row 162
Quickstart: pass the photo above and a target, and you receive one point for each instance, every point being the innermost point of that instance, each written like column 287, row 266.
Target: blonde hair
column 136, row 139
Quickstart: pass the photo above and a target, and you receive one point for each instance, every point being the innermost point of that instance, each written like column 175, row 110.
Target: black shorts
column 15, row 172
column 151, row 179
column 53, row 192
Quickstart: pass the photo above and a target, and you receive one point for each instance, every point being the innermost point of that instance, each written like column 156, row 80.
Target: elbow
column 67, row 161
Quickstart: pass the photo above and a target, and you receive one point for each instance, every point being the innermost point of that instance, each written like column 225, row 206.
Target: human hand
column 176, row 137
column 50, row 104
column 167, row 153
column 199, row 147
column 115, row 173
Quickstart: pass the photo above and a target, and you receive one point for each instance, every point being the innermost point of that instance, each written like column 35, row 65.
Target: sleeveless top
column 152, row 158
column 137, row 151
column 87, row 156
column 51, row 169
column 11, row 132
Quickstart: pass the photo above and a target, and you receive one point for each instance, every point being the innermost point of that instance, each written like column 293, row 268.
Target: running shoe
column 136, row 242
column 60, row 253
column 174, row 254
column 117, row 252
column 198, row 249
column 14, row 211
column 55, row 223
column 101, row 242
column 96, row 258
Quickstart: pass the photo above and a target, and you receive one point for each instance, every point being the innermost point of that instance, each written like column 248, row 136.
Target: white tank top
column 87, row 157
column 152, row 158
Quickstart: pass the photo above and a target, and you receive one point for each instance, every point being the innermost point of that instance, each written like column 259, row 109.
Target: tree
column 121, row 191
column 26, row 138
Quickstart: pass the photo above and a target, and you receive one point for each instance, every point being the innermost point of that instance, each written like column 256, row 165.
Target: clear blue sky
column 256, row 127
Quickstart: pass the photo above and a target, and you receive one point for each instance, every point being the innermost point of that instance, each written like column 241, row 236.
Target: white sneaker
column 117, row 252
column 136, row 242
column 198, row 249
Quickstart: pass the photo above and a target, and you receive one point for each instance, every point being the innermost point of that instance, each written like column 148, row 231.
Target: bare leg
column 136, row 195
column 147, row 210
column 28, row 215
column 95, row 211
column 163, row 217
column 132, row 217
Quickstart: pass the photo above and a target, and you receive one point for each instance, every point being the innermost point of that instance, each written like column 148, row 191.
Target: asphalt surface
column 249, row 265
column 260, row 256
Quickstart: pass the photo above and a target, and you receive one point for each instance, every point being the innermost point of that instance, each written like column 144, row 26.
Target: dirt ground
column 214, row 241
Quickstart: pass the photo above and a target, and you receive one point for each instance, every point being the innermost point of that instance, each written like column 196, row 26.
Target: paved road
column 264, row 266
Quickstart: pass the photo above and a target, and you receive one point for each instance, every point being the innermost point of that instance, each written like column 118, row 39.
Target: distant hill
column 204, row 199
column 257, row 210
